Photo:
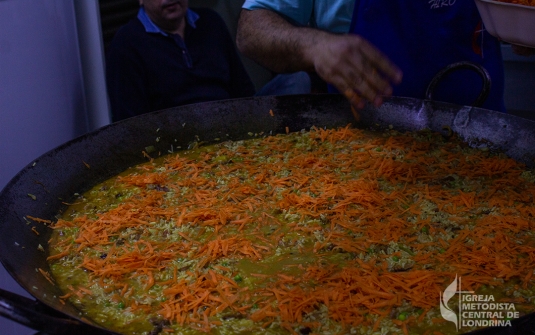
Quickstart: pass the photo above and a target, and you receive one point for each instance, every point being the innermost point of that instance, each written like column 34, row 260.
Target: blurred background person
column 171, row 55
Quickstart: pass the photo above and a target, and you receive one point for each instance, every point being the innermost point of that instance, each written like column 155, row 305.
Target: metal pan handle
column 38, row 316
column 483, row 73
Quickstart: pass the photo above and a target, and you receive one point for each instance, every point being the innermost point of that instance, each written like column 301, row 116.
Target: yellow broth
column 323, row 232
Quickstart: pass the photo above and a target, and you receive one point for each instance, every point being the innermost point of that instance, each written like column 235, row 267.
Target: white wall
column 45, row 99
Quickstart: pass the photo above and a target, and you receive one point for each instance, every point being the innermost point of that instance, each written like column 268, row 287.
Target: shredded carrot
column 342, row 223
column 47, row 276
column 38, row 219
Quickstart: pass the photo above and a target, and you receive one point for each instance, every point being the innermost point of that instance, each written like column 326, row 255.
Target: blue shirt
column 330, row 15
column 423, row 37
column 150, row 27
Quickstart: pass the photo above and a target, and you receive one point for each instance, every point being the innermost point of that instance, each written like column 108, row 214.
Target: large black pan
column 42, row 188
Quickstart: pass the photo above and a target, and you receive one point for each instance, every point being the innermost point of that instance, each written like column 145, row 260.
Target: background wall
column 51, row 87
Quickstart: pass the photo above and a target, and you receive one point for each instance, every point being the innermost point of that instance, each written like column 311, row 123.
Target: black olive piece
column 305, row 331
column 160, row 188
column 103, row 256
column 447, row 132
column 158, row 325
column 156, row 330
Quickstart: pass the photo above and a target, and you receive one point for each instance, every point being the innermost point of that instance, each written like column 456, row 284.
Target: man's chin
column 173, row 13
column 175, row 10
column 174, row 6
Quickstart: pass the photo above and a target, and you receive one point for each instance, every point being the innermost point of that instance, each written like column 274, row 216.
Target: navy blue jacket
column 149, row 71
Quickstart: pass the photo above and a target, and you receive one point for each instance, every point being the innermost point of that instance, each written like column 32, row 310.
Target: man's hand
column 348, row 62
column 356, row 68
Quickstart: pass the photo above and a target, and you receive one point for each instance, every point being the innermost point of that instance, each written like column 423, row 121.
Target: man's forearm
column 270, row 40
column 347, row 61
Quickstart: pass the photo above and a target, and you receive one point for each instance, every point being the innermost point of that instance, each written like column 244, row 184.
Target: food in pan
column 325, row 231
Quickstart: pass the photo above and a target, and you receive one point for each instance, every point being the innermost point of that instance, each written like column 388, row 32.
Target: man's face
column 165, row 12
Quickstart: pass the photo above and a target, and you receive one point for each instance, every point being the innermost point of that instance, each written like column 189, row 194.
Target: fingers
column 379, row 62
column 356, row 114
column 357, row 69
column 367, row 85
column 354, row 98
column 377, row 73
column 371, row 85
